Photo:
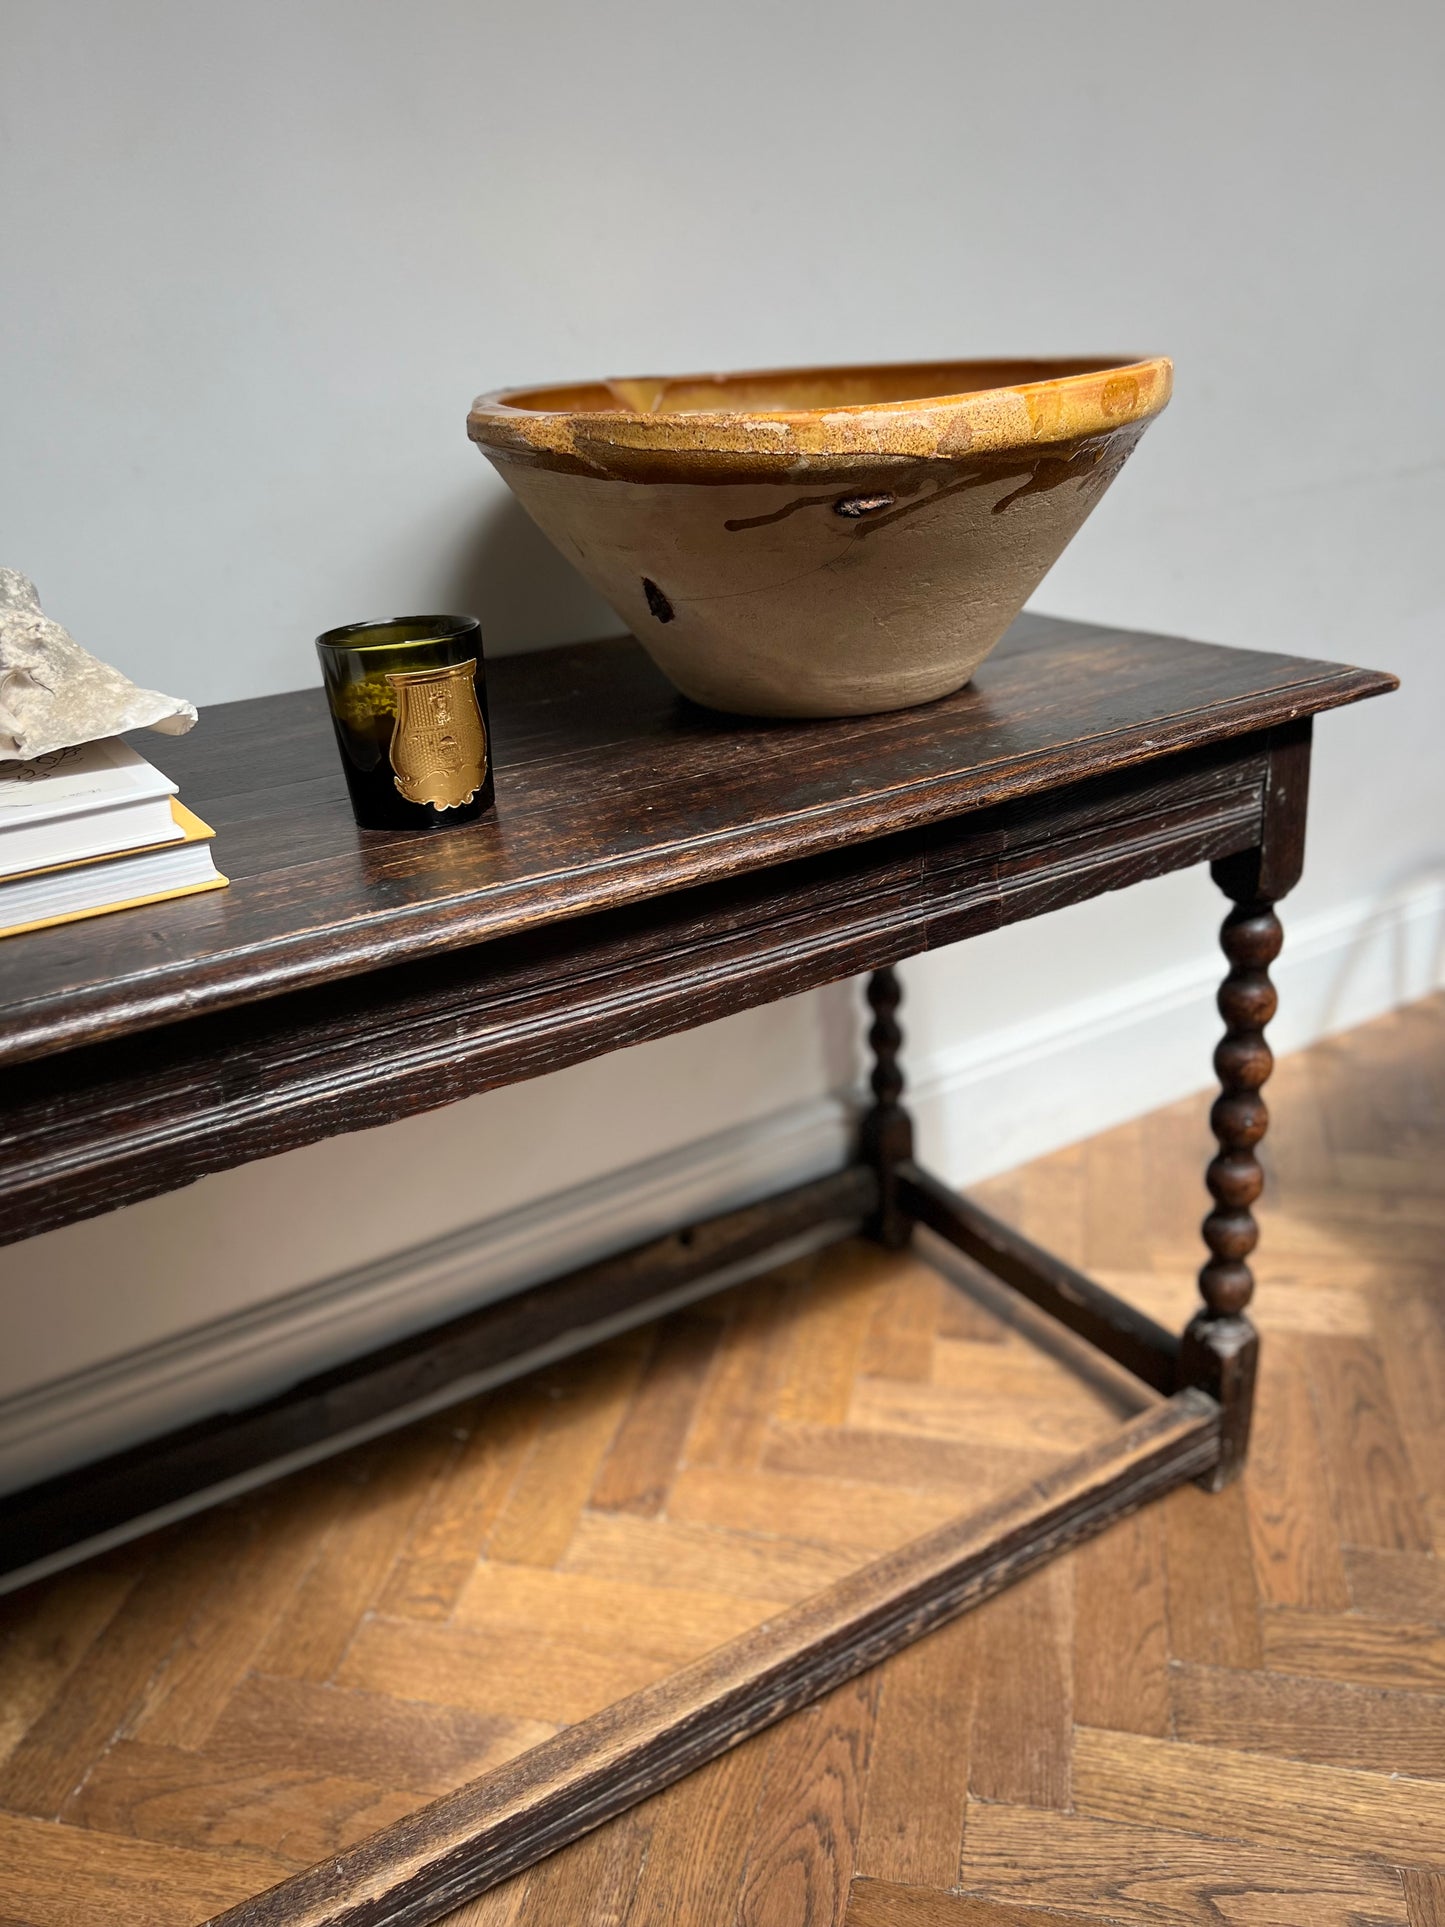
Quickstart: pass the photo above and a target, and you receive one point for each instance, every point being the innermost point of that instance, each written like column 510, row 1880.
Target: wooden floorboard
column 623, row 1742
column 1225, row 1709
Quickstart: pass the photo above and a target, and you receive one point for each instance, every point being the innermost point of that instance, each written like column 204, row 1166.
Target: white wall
column 258, row 259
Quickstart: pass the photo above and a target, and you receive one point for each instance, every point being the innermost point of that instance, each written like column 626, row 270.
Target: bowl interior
column 798, row 390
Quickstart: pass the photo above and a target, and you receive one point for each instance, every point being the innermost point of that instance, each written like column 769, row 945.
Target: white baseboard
column 1079, row 1068
column 240, row 1359
column 981, row 1108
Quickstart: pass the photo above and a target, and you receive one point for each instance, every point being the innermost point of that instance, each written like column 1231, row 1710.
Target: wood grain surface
column 610, row 790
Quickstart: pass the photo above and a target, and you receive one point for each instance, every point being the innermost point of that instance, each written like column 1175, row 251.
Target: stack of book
column 92, row 829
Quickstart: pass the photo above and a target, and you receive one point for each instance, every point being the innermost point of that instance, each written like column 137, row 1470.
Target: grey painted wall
column 258, row 259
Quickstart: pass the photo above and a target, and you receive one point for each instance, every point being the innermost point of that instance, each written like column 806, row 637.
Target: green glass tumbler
column 408, row 701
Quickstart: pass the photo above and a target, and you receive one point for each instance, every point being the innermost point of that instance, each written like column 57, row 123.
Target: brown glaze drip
column 778, row 515
column 1093, row 463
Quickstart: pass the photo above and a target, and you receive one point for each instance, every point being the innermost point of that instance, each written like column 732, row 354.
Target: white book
column 95, row 800
column 113, row 882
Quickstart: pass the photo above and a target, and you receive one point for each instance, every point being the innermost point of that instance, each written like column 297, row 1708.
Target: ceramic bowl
column 821, row 541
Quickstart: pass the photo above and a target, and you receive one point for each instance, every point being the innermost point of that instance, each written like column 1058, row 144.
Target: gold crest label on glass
column 439, row 742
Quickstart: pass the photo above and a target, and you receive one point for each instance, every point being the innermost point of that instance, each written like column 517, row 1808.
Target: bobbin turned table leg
column 1221, row 1348
column 886, row 1136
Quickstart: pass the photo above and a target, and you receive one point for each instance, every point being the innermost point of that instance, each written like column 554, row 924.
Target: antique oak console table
column 651, row 867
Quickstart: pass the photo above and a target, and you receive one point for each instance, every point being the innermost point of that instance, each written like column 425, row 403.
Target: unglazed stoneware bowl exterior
column 821, row 541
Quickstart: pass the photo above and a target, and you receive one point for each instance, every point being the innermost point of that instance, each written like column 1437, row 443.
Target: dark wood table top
column 610, row 790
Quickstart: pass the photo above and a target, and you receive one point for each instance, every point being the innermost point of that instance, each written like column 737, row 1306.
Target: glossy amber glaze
column 691, row 425
column 821, row 541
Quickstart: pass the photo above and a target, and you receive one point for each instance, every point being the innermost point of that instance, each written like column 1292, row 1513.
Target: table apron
column 86, row 1131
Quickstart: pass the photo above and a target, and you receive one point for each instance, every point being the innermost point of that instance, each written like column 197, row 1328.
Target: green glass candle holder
column 408, row 701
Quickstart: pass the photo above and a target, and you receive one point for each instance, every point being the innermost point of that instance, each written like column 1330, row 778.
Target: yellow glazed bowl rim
column 680, row 426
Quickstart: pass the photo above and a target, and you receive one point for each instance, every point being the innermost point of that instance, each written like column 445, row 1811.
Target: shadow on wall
column 528, row 596
column 842, row 1018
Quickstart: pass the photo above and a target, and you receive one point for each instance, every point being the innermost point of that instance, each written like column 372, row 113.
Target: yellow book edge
column 195, row 831
column 217, row 882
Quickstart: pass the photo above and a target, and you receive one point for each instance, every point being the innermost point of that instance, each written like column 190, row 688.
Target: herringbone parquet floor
column 1228, row 1710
